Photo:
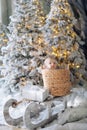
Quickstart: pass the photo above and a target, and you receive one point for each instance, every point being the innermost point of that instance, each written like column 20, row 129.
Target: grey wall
column 46, row 5
column 5, row 11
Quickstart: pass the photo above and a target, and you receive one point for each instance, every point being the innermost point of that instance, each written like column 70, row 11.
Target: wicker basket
column 57, row 81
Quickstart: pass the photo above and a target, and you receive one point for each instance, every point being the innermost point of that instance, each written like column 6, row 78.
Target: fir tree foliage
column 25, row 49
column 3, row 36
column 3, row 43
column 62, row 40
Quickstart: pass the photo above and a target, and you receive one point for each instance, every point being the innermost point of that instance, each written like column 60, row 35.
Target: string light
column 5, row 40
column 2, row 34
column 61, row 51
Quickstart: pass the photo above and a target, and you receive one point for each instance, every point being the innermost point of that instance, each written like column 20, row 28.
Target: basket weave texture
column 57, row 81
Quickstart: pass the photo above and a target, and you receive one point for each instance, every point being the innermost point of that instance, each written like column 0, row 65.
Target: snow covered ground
column 77, row 98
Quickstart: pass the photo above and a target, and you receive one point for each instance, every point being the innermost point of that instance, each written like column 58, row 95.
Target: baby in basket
column 50, row 63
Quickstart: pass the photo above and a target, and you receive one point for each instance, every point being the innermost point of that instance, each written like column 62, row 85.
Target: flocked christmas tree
column 3, row 36
column 25, row 50
column 62, row 40
column 3, row 42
